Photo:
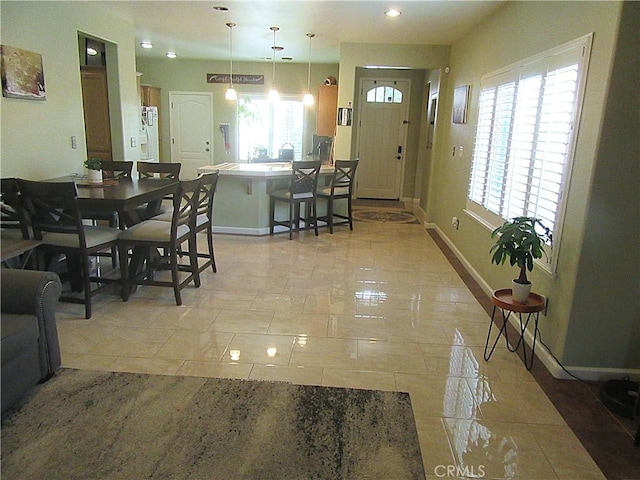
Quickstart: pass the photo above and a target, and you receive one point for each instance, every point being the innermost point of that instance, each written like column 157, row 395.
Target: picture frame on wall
column 22, row 74
column 460, row 104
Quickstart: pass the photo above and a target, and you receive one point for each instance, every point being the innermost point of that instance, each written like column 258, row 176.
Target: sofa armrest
column 29, row 292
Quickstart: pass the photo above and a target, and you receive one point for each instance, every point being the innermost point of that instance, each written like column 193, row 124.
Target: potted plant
column 522, row 240
column 94, row 169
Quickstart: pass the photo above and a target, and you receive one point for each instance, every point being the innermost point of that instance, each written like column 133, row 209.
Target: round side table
column 503, row 301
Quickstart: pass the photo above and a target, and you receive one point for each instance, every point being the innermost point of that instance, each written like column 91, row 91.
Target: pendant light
column 274, row 96
column 231, row 92
column 308, row 98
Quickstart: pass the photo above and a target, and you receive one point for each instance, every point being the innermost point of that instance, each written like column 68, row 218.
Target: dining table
column 122, row 195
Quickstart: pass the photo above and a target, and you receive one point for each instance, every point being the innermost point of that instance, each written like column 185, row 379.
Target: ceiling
column 195, row 30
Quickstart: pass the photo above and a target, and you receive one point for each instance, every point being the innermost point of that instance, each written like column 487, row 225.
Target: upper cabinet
column 327, row 110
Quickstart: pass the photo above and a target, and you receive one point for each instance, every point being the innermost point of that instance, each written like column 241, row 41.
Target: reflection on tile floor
column 377, row 308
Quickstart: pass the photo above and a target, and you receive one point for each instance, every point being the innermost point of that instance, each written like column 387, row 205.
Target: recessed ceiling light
column 221, row 8
column 392, row 12
column 146, row 44
column 171, row 54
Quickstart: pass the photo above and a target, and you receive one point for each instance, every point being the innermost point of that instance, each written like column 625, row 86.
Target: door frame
column 406, row 106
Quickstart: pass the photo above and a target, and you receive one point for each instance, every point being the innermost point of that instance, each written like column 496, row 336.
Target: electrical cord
column 539, row 334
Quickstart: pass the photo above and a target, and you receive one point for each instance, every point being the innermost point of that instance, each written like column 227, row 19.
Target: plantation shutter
column 524, row 137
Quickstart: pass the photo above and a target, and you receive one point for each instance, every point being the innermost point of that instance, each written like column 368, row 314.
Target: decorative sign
column 238, row 78
column 22, row 74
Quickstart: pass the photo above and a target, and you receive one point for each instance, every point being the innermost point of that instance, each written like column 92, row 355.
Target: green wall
column 593, row 318
column 36, row 135
column 190, row 76
column 587, row 322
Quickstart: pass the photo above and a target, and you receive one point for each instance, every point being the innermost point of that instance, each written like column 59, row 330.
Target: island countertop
column 256, row 170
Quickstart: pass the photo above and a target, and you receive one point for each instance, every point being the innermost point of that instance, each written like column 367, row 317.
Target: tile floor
column 380, row 307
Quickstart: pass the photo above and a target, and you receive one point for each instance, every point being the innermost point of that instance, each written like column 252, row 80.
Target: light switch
column 134, row 143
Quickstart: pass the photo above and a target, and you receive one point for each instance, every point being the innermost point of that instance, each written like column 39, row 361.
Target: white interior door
column 191, row 124
column 383, row 117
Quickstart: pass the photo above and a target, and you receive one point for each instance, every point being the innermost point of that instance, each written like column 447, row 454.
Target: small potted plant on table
column 94, row 169
column 522, row 240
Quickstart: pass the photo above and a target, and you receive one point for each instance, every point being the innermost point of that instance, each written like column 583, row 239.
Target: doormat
column 84, row 424
column 384, row 215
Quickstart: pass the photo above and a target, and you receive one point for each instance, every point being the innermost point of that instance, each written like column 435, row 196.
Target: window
column 264, row 126
column 525, row 135
column 384, row 95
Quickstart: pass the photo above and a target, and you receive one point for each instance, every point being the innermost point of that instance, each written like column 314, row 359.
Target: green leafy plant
column 93, row 163
column 521, row 240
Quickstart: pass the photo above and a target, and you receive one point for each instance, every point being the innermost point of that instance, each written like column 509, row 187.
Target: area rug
column 100, row 425
column 385, row 215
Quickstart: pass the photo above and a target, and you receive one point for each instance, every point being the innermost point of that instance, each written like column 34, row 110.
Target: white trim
column 542, row 354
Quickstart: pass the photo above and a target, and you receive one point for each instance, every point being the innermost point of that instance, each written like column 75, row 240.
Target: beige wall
column 190, row 76
column 593, row 322
column 353, row 55
column 36, row 135
column 581, row 328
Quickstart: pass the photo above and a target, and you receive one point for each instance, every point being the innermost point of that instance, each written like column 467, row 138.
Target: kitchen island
column 242, row 198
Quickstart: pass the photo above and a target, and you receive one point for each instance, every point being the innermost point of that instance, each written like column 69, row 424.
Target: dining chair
column 151, row 235
column 340, row 188
column 17, row 246
column 111, row 169
column 12, row 220
column 302, row 189
column 156, row 170
column 204, row 218
column 55, row 217
column 117, row 169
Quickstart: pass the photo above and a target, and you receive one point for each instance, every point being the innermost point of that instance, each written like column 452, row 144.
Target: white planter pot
column 520, row 291
column 94, row 176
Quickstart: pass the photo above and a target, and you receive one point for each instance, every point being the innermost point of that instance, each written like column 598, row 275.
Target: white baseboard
column 542, row 353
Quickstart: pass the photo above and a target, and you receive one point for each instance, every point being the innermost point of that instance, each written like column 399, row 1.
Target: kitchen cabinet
column 327, row 110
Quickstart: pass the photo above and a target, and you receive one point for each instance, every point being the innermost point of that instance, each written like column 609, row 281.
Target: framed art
column 22, row 74
column 460, row 104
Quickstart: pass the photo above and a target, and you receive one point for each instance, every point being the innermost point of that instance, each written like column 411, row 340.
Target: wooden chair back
column 154, row 169
column 12, row 214
column 117, row 169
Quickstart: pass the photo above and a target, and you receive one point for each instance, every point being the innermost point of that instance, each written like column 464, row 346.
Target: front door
column 382, row 136
column 191, row 125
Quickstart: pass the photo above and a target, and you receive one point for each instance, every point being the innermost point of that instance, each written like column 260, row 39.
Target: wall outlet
column 74, row 142
column 455, row 221
column 460, row 150
column 134, row 142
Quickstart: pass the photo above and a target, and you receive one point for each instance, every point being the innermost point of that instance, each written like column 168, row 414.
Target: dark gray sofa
column 30, row 348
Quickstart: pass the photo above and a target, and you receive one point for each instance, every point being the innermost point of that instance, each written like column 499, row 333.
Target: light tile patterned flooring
column 377, row 308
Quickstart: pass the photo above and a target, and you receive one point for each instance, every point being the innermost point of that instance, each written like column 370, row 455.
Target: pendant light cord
column 231, row 25
column 310, row 35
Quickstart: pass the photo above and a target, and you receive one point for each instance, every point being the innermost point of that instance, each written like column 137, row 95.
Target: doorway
column 98, row 60
column 95, row 98
column 191, row 125
column 382, row 137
